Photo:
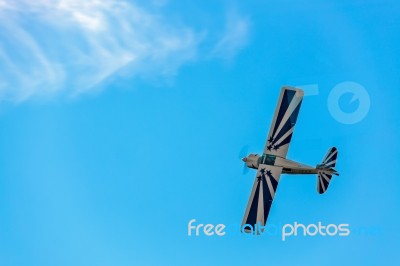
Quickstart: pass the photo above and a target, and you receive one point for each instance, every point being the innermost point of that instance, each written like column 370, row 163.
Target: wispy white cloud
column 50, row 47
column 234, row 38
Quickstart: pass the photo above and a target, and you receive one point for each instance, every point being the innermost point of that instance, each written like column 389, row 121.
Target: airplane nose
column 244, row 159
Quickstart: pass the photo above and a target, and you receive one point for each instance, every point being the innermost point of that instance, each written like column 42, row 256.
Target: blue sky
column 122, row 121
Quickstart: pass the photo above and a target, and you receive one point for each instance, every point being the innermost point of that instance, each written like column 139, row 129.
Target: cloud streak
column 51, row 47
column 234, row 38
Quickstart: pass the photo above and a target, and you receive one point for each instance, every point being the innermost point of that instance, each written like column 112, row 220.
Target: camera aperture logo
column 195, row 228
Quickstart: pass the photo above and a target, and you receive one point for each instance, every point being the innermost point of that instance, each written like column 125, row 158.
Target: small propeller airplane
column 272, row 163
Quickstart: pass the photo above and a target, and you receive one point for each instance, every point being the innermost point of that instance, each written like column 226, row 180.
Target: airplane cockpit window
column 267, row 159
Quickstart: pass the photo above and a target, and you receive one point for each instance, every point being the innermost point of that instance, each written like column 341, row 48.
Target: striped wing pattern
column 262, row 195
column 284, row 120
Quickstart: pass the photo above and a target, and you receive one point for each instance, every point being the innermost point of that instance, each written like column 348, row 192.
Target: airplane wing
column 262, row 195
column 284, row 120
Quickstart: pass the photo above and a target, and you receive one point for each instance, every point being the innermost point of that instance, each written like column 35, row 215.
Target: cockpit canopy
column 267, row 159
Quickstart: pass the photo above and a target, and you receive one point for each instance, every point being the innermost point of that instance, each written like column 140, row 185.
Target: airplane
column 272, row 163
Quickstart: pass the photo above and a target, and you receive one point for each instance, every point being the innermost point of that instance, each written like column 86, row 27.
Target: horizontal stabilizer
column 326, row 170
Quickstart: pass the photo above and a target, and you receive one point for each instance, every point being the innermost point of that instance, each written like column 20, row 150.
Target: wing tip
column 288, row 87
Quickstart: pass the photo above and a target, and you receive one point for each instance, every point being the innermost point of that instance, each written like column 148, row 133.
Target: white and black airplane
column 272, row 163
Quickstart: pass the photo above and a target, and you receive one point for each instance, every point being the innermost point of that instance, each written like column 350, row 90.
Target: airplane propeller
column 242, row 154
column 245, row 169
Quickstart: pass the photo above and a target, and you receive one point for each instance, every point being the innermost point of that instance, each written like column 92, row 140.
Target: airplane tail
column 326, row 170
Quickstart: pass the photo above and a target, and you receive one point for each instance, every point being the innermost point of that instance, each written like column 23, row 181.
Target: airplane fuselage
column 288, row 166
